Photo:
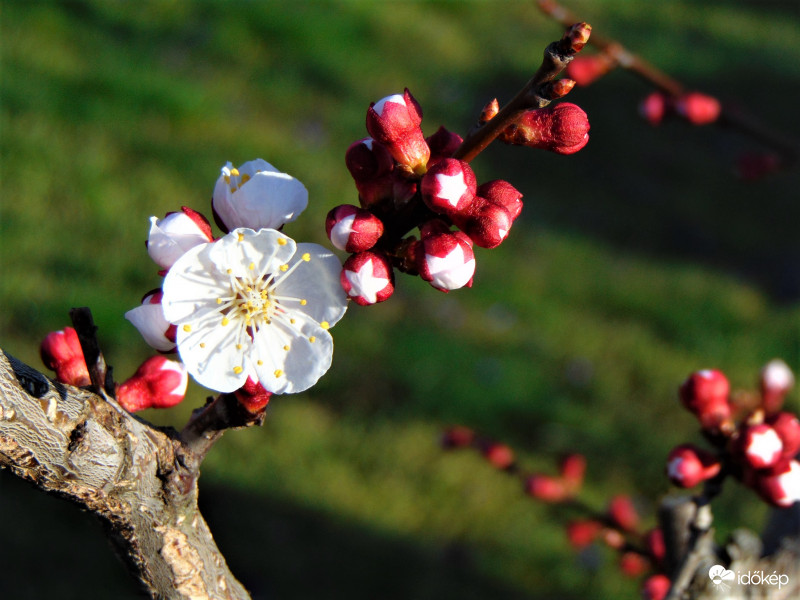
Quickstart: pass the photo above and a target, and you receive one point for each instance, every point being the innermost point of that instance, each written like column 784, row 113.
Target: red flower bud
column 353, row 229
column 654, row 541
column 562, row 128
column 499, row 455
column 776, row 381
column 698, row 109
column 633, row 564
column 444, row 259
column 779, row 485
column 705, row 394
column 449, row 186
column 61, row 351
column 656, row 587
column 655, row 107
column 457, row 437
column 394, row 121
column 588, row 68
column 759, row 445
column 582, row 533
column 176, row 233
column 443, row 144
column 623, row 513
column 486, row 223
column 368, row 277
column 368, row 160
column 252, row 396
column 546, row 488
column 157, row 383
column 787, row 426
column 572, row 470
column 503, row 193
column 688, row 465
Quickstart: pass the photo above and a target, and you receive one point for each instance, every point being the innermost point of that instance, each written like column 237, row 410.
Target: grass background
column 635, row 261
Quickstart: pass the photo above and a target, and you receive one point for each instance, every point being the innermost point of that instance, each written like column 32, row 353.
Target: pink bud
column 582, row 533
column 457, row 437
column 759, row 445
column 623, row 513
column 368, row 277
column 777, row 380
column 688, row 465
column 176, row 233
column 656, row 587
column 697, row 108
column 779, row 485
column 499, row 455
column 149, row 319
column 61, row 352
column 368, row 160
column 655, row 107
column 572, row 470
column 449, row 186
column 562, row 128
column 588, row 68
column 394, row 121
column 503, row 193
column 252, row 396
column 654, row 541
column 444, row 259
column 157, row 383
column 443, row 144
column 787, row 426
column 546, row 488
column 486, row 223
column 353, row 229
column 633, row 564
column 705, row 394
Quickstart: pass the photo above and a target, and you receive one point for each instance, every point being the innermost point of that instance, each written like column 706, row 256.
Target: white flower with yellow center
column 255, row 303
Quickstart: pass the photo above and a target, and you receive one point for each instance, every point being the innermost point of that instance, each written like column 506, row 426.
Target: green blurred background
column 635, row 261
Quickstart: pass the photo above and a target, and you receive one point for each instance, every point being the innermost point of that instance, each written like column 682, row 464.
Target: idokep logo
column 722, row 577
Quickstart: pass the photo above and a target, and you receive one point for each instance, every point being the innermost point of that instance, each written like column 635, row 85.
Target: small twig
column 747, row 124
column 99, row 372
column 537, row 93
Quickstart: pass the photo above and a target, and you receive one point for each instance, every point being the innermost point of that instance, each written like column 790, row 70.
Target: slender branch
column 537, row 93
column 732, row 117
column 99, row 372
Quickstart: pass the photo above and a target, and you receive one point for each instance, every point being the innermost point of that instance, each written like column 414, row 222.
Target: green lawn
column 635, row 261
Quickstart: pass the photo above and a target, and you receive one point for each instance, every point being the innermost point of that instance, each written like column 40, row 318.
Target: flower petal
column 247, row 253
column 192, row 286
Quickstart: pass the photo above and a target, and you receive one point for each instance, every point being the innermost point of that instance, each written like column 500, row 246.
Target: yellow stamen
column 278, row 372
column 241, row 237
column 229, row 271
column 306, row 257
column 219, row 300
column 325, row 325
column 286, row 348
column 237, row 369
column 238, row 346
column 303, row 302
column 312, row 339
column 291, row 321
column 202, row 344
column 235, row 172
column 259, row 362
column 245, row 179
column 281, row 242
column 284, row 268
column 227, row 179
column 187, row 328
column 251, row 266
column 225, row 321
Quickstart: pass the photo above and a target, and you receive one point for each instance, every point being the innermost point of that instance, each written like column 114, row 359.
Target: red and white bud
column 561, row 128
column 176, row 233
column 443, row 144
column 776, row 381
column 779, row 485
column 252, row 396
column 546, row 488
column 787, row 426
column 697, row 108
column 688, row 465
column 486, row 223
column 623, row 513
column 656, row 587
column 572, row 470
column 353, row 229
column 582, row 533
column 149, row 319
column 157, row 383
column 394, row 121
column 368, row 277
column 368, row 160
column 759, row 445
column 502, row 193
column 705, row 394
column 61, row 352
column 444, row 259
column 449, row 187
column 633, row 564
column 655, row 107
column 585, row 69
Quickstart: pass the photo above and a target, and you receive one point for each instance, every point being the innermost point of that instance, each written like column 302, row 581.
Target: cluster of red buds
column 618, row 526
column 405, row 180
column 157, row 383
column 753, row 439
column 696, row 108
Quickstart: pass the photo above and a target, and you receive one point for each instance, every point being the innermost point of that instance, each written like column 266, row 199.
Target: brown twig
column 537, row 93
column 746, row 124
column 99, row 372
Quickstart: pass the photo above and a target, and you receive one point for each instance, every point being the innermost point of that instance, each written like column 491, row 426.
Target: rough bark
column 140, row 481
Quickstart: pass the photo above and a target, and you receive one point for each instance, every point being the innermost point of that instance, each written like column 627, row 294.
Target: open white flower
column 255, row 303
column 257, row 195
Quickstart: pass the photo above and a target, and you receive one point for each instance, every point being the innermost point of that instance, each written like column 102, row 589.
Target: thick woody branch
column 139, row 480
column 537, row 93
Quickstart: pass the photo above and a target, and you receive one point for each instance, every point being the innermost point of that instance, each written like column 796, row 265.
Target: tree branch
column 139, row 480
